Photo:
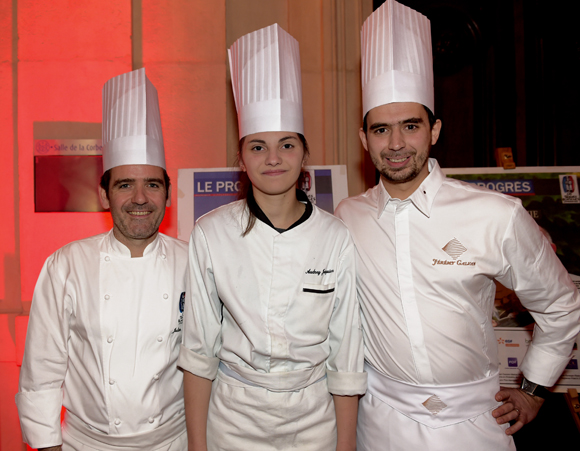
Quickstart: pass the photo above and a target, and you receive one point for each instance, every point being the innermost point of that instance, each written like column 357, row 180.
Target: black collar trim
column 300, row 196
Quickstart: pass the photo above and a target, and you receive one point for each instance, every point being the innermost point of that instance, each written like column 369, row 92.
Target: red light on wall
column 20, row 326
column 7, row 349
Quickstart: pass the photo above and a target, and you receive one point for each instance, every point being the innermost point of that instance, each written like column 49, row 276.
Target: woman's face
column 273, row 161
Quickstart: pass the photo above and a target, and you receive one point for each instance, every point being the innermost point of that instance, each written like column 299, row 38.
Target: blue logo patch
column 512, row 362
column 181, row 302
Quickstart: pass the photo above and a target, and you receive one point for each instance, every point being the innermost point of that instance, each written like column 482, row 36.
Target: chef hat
column 397, row 64
column 265, row 70
column 131, row 122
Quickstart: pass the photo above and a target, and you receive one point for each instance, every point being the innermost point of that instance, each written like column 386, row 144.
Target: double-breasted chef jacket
column 103, row 341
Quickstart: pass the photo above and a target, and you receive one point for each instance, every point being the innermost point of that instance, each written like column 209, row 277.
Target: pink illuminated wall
column 184, row 53
column 9, row 263
column 9, row 293
column 54, row 59
column 64, row 58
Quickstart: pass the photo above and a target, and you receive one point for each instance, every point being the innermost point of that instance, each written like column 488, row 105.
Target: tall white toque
column 397, row 62
column 131, row 122
column 265, row 70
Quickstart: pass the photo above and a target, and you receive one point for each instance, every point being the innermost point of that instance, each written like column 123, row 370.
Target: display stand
column 574, row 405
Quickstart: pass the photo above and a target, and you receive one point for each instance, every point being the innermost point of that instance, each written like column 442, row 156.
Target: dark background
column 506, row 75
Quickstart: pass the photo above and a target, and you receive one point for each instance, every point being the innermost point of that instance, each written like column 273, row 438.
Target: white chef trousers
column 247, row 417
column 380, row 427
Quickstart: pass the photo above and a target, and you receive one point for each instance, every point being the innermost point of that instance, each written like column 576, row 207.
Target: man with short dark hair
column 428, row 251
column 105, row 322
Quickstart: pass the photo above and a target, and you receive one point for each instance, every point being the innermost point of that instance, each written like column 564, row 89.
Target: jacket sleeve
column 202, row 312
column 544, row 287
column 346, row 359
column 44, row 365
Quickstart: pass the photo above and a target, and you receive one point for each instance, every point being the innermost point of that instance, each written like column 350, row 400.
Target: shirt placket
column 108, row 336
column 278, row 305
column 402, row 211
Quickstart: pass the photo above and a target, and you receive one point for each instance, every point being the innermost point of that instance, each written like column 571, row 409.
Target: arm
column 201, row 340
column 545, row 289
column 543, row 286
column 346, row 358
column 346, row 379
column 202, row 316
column 346, row 408
column 196, row 392
column 44, row 366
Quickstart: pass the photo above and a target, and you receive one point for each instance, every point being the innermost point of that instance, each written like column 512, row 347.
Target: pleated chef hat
column 397, row 63
column 131, row 122
column 265, row 70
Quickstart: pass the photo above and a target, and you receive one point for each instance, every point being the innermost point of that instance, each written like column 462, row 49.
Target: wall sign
column 66, row 175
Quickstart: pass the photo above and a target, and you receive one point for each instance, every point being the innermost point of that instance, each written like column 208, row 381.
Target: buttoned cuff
column 541, row 367
column 346, row 384
column 200, row 365
column 39, row 414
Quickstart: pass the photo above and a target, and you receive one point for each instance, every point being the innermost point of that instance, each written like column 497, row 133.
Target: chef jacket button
column 159, row 338
column 156, row 377
column 107, row 297
column 163, row 256
column 117, row 421
column 165, row 295
column 111, row 382
column 110, row 340
column 151, row 420
column 107, row 258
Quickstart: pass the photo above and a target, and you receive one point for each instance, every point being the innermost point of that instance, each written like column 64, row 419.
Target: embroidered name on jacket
column 319, row 272
column 436, row 261
column 317, row 287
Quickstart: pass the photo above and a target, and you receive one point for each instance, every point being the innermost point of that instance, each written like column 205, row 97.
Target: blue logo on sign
column 572, row 365
column 512, row 362
column 181, row 302
column 568, row 184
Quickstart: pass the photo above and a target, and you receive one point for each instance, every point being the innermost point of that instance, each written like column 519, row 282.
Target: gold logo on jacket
column 434, row 404
column 454, row 249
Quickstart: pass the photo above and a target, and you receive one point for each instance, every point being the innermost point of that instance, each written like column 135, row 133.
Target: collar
column 423, row 197
column 300, row 195
column 118, row 248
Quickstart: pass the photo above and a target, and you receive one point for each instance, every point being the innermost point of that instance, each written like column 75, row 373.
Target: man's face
column 137, row 199
column 399, row 139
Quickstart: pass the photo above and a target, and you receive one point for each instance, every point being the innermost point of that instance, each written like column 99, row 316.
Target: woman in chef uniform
column 271, row 315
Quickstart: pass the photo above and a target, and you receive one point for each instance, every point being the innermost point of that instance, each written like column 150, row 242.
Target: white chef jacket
column 273, row 302
column 105, row 329
column 425, row 279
